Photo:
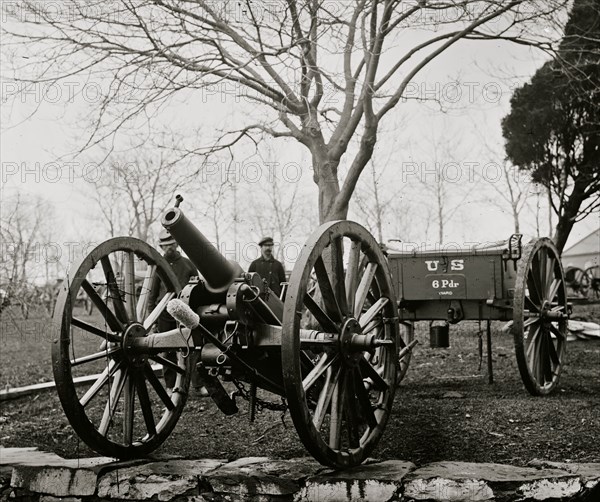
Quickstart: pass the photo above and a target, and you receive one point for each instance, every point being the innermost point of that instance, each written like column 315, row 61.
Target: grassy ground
column 444, row 410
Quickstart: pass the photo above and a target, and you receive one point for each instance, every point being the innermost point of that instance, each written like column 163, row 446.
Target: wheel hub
column 133, row 330
column 351, row 352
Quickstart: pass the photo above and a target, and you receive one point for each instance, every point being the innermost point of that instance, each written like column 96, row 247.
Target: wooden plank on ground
column 16, row 392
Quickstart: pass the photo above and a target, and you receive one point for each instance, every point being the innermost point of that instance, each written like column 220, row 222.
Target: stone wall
column 28, row 474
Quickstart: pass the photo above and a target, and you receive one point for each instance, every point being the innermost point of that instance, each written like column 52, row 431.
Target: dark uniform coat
column 270, row 270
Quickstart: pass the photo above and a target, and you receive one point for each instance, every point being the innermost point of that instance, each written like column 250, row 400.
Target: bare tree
column 323, row 73
column 137, row 186
column 511, row 184
column 24, row 231
column 370, row 204
column 215, row 203
column 514, row 191
column 377, row 201
column 447, row 183
column 277, row 206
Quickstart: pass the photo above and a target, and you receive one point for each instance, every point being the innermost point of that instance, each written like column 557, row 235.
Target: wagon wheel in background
column 578, row 280
column 124, row 410
column 540, row 317
column 340, row 391
column 593, row 274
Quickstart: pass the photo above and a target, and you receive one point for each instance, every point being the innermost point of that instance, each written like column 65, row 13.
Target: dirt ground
column 444, row 410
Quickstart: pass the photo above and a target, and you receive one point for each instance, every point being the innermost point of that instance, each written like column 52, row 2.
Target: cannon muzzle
column 218, row 272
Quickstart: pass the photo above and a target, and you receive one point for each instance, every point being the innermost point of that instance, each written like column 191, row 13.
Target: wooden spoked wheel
column 540, row 316
column 110, row 394
column 339, row 367
column 593, row 274
column 578, row 281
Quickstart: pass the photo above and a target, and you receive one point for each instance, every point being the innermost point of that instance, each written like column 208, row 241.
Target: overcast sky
column 474, row 81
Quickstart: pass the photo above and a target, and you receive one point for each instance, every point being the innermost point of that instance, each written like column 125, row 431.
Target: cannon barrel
column 218, row 272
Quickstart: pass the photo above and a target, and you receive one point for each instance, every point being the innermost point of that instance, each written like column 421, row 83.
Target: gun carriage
column 333, row 353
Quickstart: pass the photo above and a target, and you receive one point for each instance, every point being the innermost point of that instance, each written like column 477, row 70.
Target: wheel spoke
column 322, row 318
column 113, row 289
column 129, row 285
column 374, row 324
column 110, row 318
column 329, row 300
column 546, row 366
column 339, row 278
column 543, row 266
column 552, row 290
column 550, row 275
column 331, row 379
column 363, row 399
column 531, row 345
column 337, row 412
column 374, row 310
column 128, row 408
column 169, row 364
column 352, row 419
column 105, row 335
column 539, row 358
column 142, row 303
column 158, row 388
column 557, row 332
column 530, row 305
column 116, row 390
column 533, row 352
column 530, row 321
column 363, row 288
column 352, row 274
column 162, row 305
column 534, row 275
column 369, row 372
column 321, row 367
column 552, row 352
column 94, row 357
column 146, row 405
column 99, row 383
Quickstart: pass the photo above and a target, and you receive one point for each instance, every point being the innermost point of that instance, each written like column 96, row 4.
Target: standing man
column 184, row 270
column 268, row 267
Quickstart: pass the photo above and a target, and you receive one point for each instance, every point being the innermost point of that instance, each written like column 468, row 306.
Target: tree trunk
column 550, row 212
column 566, row 220
column 326, row 179
column 516, row 219
column 378, row 206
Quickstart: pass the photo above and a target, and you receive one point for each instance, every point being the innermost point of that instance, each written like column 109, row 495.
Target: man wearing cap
column 268, row 267
column 184, row 270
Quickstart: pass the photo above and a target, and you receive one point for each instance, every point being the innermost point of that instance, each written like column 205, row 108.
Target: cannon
column 332, row 349
column 329, row 351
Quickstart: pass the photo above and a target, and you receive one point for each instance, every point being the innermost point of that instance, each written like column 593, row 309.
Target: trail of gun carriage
column 341, row 357
column 370, row 348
